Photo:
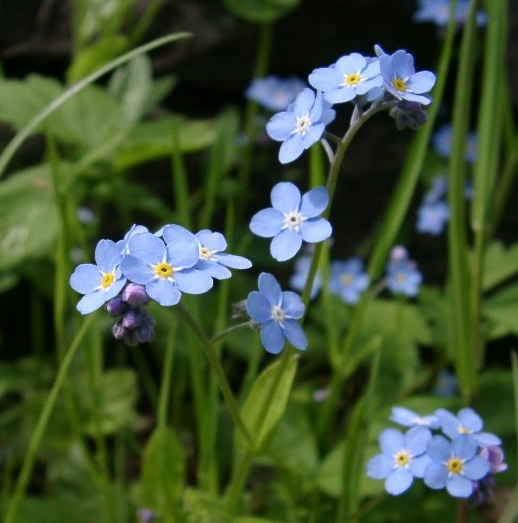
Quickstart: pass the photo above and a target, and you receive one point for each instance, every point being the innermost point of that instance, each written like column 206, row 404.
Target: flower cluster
column 159, row 266
column 403, row 277
column 434, row 213
column 439, row 12
column 445, row 450
column 384, row 78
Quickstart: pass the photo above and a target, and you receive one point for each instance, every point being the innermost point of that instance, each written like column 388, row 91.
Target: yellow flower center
column 399, row 84
column 402, row 458
column 107, row 280
column 351, row 79
column 346, row 279
column 205, row 253
column 163, row 270
column 463, row 430
column 401, row 277
column 303, row 124
column 454, row 465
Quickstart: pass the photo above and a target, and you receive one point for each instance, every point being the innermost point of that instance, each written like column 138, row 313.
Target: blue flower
column 467, row 421
column 408, row 114
column 432, row 217
column 403, row 458
column 439, row 12
column 350, row 76
column 348, row 279
column 403, row 276
column 454, row 465
column 213, row 260
column 408, row 418
column 99, row 283
column 274, row 93
column 166, row 269
column 301, row 125
column 134, row 229
column 300, row 276
column 442, row 143
column 292, row 219
column 276, row 311
column 401, row 80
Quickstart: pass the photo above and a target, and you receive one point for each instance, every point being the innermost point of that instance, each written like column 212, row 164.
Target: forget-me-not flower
column 432, row 217
column 99, row 283
column 213, row 260
column 166, row 269
column 300, row 276
column 401, row 80
column 352, row 75
column 439, row 12
column 467, row 421
column 277, row 312
column 292, row 219
column 403, row 277
column 442, row 139
column 301, row 125
column 408, row 418
column 403, row 458
column 348, row 279
column 274, row 93
column 454, row 465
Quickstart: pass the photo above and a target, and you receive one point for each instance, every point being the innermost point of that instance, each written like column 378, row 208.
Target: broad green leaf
column 163, row 471
column 150, row 140
column 502, row 310
column 253, row 408
column 499, row 264
column 28, row 217
column 204, row 507
column 260, row 10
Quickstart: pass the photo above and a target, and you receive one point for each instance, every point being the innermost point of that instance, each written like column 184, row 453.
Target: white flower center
column 278, row 314
column 206, row 253
column 302, row 125
column 292, row 220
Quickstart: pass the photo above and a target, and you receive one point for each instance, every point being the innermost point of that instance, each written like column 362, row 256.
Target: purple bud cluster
column 134, row 325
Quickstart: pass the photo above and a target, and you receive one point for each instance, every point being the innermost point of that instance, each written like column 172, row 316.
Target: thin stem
column 41, row 425
column 218, row 369
column 229, row 330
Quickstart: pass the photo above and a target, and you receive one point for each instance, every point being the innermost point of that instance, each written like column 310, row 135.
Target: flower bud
column 119, row 331
column 116, row 306
column 135, row 295
column 133, row 319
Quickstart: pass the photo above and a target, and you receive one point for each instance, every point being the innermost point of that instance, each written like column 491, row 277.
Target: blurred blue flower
column 213, row 260
column 408, row 114
column 348, row 279
column 446, row 384
column 301, row 125
column 350, row 76
column 276, row 311
column 401, row 80
column 454, row 465
column 99, row 283
column 439, row 12
column 403, row 458
column 292, row 219
column 442, row 143
column 432, row 217
column 274, row 93
column 408, row 418
column 300, row 276
column 166, row 269
column 403, row 276
column 468, row 422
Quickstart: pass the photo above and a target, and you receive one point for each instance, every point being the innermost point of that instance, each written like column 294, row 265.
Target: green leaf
column 204, row 507
column 163, row 471
column 150, row 140
column 499, row 264
column 28, row 217
column 329, row 478
column 262, row 428
column 502, row 310
column 260, row 10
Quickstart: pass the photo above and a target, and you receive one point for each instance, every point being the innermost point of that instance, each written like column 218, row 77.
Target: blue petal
column 281, row 126
column 313, row 134
column 391, row 441
column 233, row 261
column 476, row 468
column 470, row 419
column 291, row 149
column 416, row 439
column 438, row 449
column 85, row 278
column 304, row 102
column 421, row 82
column 398, row 481
column 341, row 95
column 487, row 439
column 267, row 223
column 314, row 202
column 316, row 110
column 182, row 246
column 403, row 64
column 464, row 446
column 285, row 197
column 137, row 270
column 269, row 287
column 193, row 281
column 215, row 241
column 380, row 466
column 292, row 305
column 435, row 476
column 295, row 335
column 285, row 245
column 213, row 269
column 459, row 486
column 418, row 465
column 272, row 337
column 90, row 302
column 163, row 291
column 107, row 255
column 325, row 79
column 315, row 230
column 351, row 63
column 258, row 307
column 147, row 247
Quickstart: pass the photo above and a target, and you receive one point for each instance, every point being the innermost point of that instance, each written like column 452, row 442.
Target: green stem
column 165, row 387
column 229, row 330
column 41, row 425
column 218, row 370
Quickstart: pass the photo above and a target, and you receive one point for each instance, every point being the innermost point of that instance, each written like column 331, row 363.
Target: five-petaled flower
column 348, row 279
column 403, row 277
column 403, row 458
column 274, row 93
column 301, row 125
column 99, row 283
column 166, row 269
column 409, row 418
column 454, row 465
column 277, row 312
column 292, row 219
